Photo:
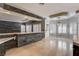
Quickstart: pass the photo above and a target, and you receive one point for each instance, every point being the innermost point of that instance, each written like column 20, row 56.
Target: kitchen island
column 11, row 40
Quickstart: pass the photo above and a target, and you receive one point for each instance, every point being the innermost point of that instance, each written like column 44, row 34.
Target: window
column 28, row 28
column 64, row 28
column 22, row 28
column 39, row 27
column 71, row 31
column 36, row 27
column 60, row 28
column 52, row 28
column 73, row 27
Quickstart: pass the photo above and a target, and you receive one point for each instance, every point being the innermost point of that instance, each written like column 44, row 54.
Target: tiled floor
column 45, row 47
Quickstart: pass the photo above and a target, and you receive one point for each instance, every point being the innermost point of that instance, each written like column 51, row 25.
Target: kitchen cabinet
column 2, row 49
column 5, row 44
column 10, row 44
column 25, row 39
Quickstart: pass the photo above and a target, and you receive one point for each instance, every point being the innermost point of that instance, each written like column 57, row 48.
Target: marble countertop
column 18, row 33
column 2, row 40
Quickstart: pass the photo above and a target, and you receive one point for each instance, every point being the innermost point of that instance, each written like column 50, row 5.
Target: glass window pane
column 28, row 28
column 36, row 27
column 73, row 27
column 64, row 28
column 52, row 28
column 39, row 27
column 59, row 28
column 22, row 28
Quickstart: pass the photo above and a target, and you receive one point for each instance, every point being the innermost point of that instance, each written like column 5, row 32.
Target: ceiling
column 6, row 15
column 38, row 9
column 46, row 9
column 10, row 16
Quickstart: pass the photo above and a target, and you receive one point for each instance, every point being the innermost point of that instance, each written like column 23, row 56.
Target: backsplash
column 7, row 27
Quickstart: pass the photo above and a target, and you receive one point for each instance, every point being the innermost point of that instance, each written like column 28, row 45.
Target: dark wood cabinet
column 21, row 40
column 2, row 50
column 28, row 38
column 7, row 45
column 10, row 44
column 75, row 50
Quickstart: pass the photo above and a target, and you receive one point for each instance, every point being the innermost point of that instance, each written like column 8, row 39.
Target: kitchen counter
column 19, row 33
column 22, row 38
column 18, row 39
column 6, row 43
